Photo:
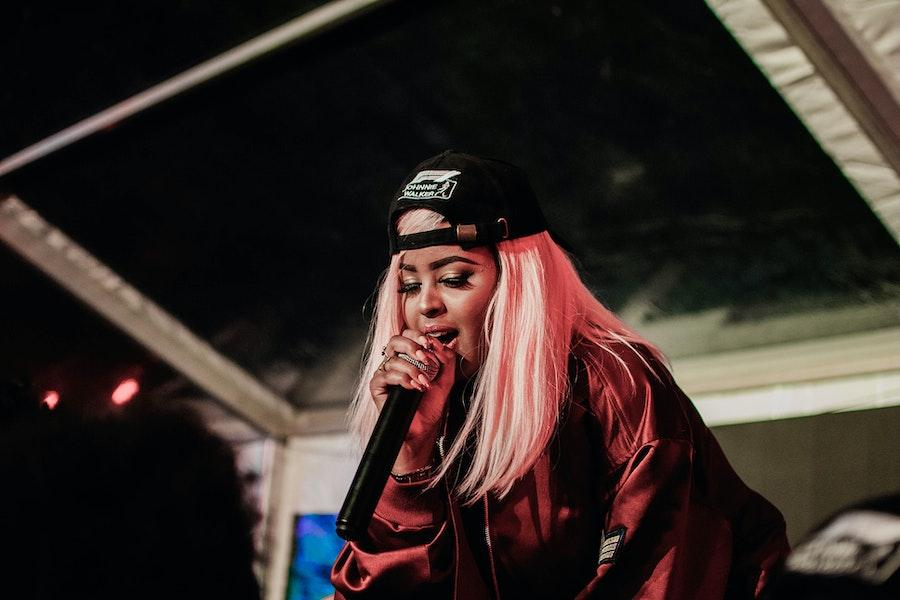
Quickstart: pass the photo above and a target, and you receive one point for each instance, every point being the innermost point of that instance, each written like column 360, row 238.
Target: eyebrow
column 441, row 262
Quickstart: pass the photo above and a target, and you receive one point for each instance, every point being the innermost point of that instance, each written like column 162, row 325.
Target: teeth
column 443, row 336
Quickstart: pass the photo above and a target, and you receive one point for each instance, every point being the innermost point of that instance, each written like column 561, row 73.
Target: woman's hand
column 418, row 446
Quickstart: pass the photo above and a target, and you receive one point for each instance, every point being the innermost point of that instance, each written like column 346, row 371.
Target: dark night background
column 253, row 208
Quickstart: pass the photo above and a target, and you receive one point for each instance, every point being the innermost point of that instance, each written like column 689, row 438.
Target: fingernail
column 424, row 381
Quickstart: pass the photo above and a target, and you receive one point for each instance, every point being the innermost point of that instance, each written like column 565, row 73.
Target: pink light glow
column 125, row 391
column 51, row 399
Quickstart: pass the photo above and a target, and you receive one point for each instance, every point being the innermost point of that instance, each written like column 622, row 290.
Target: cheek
column 408, row 311
column 474, row 311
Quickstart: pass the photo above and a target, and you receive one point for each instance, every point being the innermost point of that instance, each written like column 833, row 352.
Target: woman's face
column 445, row 291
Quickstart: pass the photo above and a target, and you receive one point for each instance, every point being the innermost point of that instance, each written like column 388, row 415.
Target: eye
column 409, row 287
column 456, row 281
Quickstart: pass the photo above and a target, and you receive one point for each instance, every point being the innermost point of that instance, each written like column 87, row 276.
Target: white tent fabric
column 874, row 27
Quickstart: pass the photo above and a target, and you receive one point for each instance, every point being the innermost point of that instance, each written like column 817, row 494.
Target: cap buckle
column 502, row 222
column 466, row 233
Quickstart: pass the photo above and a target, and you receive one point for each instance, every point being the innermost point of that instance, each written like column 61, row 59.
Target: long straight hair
column 540, row 315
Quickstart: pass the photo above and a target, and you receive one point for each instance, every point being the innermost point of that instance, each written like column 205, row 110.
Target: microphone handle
column 375, row 467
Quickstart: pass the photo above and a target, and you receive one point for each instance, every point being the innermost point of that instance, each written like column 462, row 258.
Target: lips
column 444, row 334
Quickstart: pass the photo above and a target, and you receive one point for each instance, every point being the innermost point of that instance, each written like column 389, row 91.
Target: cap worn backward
column 485, row 200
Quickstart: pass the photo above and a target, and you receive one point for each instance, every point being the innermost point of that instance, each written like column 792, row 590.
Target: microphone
column 375, row 467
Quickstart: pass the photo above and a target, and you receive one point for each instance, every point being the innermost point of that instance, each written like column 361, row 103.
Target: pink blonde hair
column 540, row 311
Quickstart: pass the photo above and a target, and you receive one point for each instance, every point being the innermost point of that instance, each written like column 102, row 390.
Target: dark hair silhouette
column 141, row 503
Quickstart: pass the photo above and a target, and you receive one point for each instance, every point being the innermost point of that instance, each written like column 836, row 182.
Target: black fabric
column 485, row 200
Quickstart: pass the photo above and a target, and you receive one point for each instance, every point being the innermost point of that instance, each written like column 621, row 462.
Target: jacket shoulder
column 634, row 398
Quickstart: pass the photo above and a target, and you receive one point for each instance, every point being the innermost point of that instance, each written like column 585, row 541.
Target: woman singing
column 552, row 455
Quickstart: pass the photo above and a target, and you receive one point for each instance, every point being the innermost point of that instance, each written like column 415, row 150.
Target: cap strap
column 465, row 235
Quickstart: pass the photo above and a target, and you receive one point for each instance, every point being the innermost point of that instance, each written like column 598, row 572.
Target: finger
column 425, row 370
column 405, row 344
column 424, row 341
column 399, row 372
column 413, row 334
column 433, row 364
column 426, row 353
column 396, row 364
column 415, row 345
column 445, row 353
column 429, row 366
column 380, row 393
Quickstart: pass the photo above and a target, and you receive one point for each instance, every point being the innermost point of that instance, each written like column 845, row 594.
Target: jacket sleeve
column 665, row 538
column 408, row 551
column 678, row 521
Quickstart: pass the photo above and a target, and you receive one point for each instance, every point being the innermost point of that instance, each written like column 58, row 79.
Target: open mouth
column 446, row 336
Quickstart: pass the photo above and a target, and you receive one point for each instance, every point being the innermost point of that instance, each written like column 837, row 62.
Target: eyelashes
column 460, row 281
column 406, row 288
column 456, row 281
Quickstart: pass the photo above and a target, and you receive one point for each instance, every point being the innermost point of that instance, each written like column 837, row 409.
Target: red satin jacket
column 632, row 499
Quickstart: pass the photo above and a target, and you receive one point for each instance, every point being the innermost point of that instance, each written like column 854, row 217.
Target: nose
column 430, row 303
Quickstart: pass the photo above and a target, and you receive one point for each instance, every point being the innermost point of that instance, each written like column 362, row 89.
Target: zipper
column 487, row 526
column 456, row 549
column 490, row 548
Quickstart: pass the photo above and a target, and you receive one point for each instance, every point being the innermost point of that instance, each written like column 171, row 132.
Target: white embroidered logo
column 612, row 541
column 431, row 184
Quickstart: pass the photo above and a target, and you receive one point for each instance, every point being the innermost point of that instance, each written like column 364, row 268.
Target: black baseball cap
column 485, row 200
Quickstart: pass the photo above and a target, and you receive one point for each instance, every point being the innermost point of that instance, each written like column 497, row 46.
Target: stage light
column 125, row 391
column 51, row 399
